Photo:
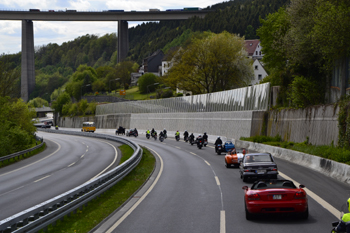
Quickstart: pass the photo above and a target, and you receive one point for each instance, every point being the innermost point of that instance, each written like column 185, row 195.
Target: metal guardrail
column 23, row 152
column 42, row 215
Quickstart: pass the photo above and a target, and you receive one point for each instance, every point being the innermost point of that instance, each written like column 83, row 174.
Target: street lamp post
column 81, row 90
column 110, row 82
column 151, row 85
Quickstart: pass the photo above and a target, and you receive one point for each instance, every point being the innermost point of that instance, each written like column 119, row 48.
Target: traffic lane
column 55, row 175
column 231, row 186
column 185, row 199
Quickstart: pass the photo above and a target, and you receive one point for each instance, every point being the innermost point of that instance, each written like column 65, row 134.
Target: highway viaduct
column 27, row 18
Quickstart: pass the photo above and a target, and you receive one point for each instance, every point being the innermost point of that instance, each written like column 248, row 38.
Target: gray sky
column 59, row 32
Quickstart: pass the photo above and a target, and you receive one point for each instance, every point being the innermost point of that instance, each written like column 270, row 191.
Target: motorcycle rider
column 136, row 132
column 199, row 139
column 191, row 137
column 148, row 133
column 185, row 134
column 344, row 225
column 164, row 131
column 152, row 132
column 205, row 138
column 217, row 142
column 177, row 134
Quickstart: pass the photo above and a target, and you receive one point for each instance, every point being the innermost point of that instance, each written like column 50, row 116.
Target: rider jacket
column 177, row 133
column 192, row 136
column 200, row 139
column 186, row 134
column 217, row 142
column 205, row 137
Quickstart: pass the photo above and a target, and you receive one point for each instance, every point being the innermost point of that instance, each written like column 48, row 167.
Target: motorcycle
column 186, row 138
column 136, row 134
column 177, row 138
column 161, row 138
column 218, row 149
column 191, row 141
column 56, row 127
column 165, row 135
column 205, row 142
column 199, row 144
column 148, row 136
column 339, row 226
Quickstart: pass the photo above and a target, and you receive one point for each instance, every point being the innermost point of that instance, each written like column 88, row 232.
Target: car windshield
column 273, row 184
column 228, row 143
column 251, row 158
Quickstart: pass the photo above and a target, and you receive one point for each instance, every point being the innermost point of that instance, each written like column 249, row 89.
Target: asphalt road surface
column 68, row 162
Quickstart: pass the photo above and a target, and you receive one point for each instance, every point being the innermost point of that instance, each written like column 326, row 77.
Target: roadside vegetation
column 98, row 209
column 338, row 154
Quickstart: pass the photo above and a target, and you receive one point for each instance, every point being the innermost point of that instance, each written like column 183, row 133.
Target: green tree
column 250, row 33
column 146, row 83
column 38, row 103
column 61, row 100
column 123, row 71
column 8, row 80
column 215, row 62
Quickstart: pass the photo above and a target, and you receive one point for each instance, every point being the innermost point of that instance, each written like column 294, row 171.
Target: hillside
column 54, row 64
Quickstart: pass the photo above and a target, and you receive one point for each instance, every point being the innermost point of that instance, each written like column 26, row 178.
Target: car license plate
column 260, row 171
column 277, row 197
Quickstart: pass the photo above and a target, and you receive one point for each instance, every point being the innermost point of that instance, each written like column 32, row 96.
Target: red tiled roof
column 250, row 46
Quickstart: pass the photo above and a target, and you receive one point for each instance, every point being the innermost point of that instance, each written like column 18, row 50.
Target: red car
column 275, row 197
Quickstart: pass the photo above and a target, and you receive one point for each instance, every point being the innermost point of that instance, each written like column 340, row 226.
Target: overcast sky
column 59, row 32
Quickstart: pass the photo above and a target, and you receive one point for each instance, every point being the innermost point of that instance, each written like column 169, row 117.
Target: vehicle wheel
column 245, row 179
column 305, row 215
column 219, row 152
column 227, row 165
column 248, row 215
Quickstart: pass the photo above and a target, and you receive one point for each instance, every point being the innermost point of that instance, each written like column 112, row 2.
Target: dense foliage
column 55, row 64
column 301, row 44
column 17, row 129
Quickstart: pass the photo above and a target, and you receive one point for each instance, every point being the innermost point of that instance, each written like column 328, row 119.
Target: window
column 260, row 53
column 256, row 67
column 259, row 76
column 256, row 52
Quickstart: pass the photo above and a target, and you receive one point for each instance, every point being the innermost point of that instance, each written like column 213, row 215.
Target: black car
column 46, row 126
column 258, row 165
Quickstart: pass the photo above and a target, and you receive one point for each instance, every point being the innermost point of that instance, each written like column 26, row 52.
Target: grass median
column 97, row 210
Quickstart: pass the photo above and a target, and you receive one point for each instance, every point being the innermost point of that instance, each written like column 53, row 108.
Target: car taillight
column 246, row 170
column 300, row 195
column 253, row 197
column 274, row 169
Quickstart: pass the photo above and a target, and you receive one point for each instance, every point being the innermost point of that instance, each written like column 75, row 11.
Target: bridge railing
column 41, row 215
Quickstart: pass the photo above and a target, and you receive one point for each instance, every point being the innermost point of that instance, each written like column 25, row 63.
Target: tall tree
column 212, row 62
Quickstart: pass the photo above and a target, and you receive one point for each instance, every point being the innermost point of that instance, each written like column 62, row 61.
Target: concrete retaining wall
column 318, row 123
column 338, row 171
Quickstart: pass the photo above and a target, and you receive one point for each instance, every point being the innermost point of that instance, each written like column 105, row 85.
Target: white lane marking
column 314, row 196
column 82, row 156
column 42, row 178
column 193, row 153
column 222, row 221
column 71, row 164
column 115, row 159
column 59, row 147
column 3, row 194
column 207, row 162
column 87, row 150
column 177, row 147
column 217, row 180
column 141, row 198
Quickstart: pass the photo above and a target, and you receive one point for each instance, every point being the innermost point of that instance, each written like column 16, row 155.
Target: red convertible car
column 275, row 197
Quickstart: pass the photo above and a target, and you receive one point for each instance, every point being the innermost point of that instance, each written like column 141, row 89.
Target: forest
column 55, row 64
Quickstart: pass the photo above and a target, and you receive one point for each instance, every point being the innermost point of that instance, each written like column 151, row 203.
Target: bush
column 304, row 92
column 146, row 83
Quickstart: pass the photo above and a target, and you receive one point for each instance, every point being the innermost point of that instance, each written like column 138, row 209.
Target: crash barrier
column 40, row 216
column 336, row 170
column 242, row 99
column 23, row 152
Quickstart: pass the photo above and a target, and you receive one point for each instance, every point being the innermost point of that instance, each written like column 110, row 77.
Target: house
column 253, row 48
column 151, row 64
column 259, row 72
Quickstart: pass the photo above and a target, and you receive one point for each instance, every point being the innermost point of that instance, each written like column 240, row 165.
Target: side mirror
column 301, row 186
column 245, row 187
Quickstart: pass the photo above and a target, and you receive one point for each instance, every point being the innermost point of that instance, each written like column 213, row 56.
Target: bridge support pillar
column 123, row 40
column 27, row 66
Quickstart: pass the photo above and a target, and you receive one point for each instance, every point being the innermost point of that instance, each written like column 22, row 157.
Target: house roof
column 250, row 46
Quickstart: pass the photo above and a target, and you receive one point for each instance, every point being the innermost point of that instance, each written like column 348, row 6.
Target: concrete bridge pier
column 123, row 40
column 27, row 64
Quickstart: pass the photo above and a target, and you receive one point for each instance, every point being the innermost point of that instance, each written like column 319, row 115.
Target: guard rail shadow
column 42, row 215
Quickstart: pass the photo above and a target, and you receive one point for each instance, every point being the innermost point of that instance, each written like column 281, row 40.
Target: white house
column 259, row 72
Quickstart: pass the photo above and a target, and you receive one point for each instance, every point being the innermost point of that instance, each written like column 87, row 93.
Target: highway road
column 67, row 162
column 195, row 192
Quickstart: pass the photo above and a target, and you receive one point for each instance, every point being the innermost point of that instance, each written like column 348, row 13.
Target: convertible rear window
column 258, row 158
column 273, row 184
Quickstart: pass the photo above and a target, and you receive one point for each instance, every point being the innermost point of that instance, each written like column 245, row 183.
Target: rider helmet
column 200, row 135
column 218, row 137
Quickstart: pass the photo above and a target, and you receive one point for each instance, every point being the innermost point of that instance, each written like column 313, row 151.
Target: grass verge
column 331, row 152
column 27, row 155
column 97, row 210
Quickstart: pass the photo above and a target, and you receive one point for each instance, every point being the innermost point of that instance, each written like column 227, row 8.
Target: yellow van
column 88, row 127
